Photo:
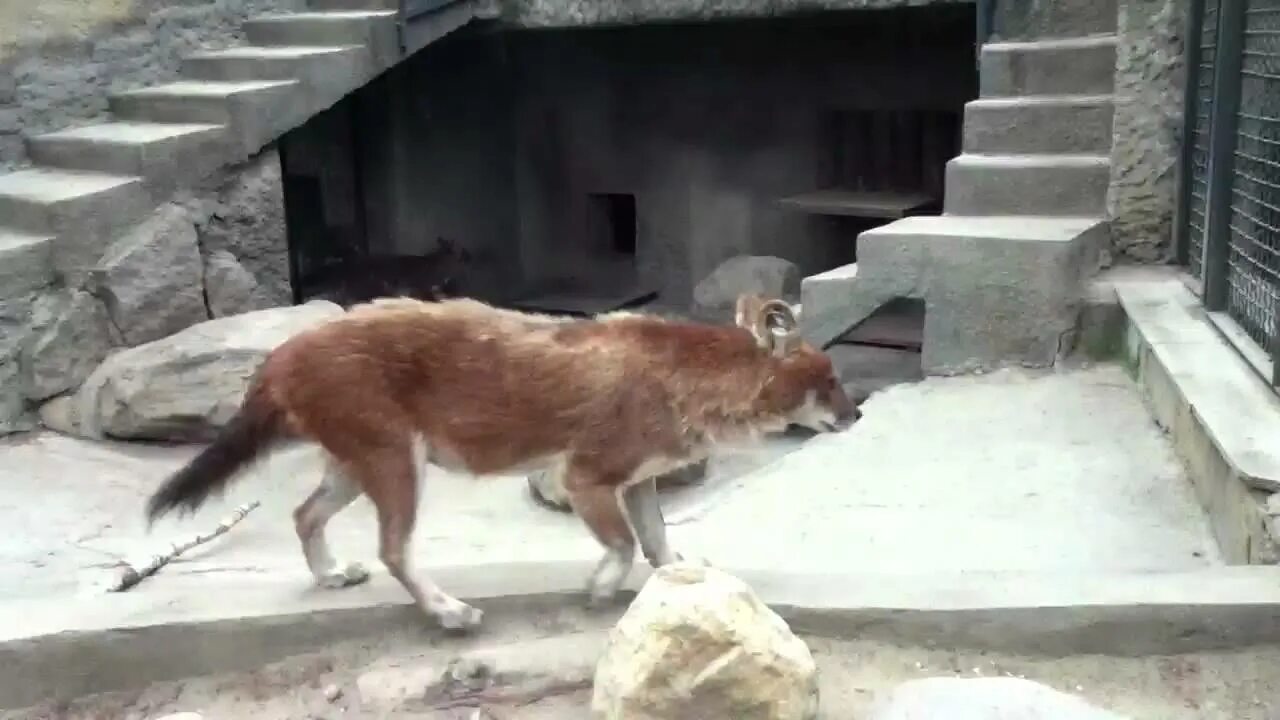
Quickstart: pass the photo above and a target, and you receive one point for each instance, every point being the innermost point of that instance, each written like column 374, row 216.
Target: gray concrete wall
column 708, row 125
column 60, row 59
column 1150, row 79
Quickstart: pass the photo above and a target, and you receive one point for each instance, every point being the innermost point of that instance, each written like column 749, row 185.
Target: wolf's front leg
column 598, row 503
column 644, row 509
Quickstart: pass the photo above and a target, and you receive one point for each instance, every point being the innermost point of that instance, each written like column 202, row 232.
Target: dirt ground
column 542, row 671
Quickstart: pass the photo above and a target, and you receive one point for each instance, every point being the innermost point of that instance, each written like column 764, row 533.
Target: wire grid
column 1199, row 191
column 1253, row 253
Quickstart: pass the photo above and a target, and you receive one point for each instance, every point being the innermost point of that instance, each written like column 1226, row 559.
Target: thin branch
column 130, row 576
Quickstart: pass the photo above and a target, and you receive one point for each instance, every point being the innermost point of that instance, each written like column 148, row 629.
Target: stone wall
column 1150, row 76
column 575, row 13
column 60, row 59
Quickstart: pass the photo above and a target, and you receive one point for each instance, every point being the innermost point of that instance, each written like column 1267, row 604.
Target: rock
column 698, row 643
column 995, row 698
column 247, row 221
column 187, row 385
column 714, row 298
column 547, row 486
column 67, row 346
column 15, row 381
column 229, row 288
column 152, row 278
column 182, row 716
column 332, row 693
column 61, row 414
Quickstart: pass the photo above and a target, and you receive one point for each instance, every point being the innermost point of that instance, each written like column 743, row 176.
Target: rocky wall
column 1150, row 76
column 61, row 59
column 572, row 13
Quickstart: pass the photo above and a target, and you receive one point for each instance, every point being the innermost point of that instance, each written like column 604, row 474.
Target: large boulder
column 246, row 220
column 714, row 298
column 189, row 384
column 547, row 486
column 70, row 341
column 697, row 643
column 994, row 698
column 152, row 278
column 15, row 380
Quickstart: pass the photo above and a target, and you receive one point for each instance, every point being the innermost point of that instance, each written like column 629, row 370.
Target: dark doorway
column 613, row 223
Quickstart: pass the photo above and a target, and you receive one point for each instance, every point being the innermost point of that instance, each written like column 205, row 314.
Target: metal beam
column 1228, row 61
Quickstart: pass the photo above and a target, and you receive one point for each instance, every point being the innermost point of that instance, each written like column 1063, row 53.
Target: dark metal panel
column 1222, row 146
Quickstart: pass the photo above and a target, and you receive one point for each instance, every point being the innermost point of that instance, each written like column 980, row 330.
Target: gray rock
column 15, row 382
column 547, row 486
column 69, row 345
column 152, row 278
column 247, row 221
column 1147, row 127
column 61, row 415
column 772, row 277
column 997, row 698
column 229, row 288
column 187, row 385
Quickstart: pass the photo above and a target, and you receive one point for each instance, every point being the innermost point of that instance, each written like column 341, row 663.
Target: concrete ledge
column 188, row 625
column 1224, row 420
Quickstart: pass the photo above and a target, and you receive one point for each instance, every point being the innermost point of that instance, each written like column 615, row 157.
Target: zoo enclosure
column 1227, row 228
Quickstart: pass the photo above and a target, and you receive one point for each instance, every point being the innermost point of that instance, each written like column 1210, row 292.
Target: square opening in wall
column 613, row 222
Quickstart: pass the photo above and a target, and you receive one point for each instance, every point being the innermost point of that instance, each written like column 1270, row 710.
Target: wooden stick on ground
column 129, row 576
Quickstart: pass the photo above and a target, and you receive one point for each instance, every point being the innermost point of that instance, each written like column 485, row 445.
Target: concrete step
column 81, row 210
column 997, row 290
column 254, row 112
column 324, row 5
column 374, row 29
column 1072, row 66
column 1032, row 20
column 162, row 153
column 1039, row 124
column 1049, row 185
column 26, row 263
column 327, row 73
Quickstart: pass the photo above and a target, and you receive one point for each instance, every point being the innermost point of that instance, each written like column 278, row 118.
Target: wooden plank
column 853, row 203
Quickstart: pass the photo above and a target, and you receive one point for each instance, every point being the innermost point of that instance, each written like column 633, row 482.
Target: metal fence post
column 1222, row 146
column 1182, row 201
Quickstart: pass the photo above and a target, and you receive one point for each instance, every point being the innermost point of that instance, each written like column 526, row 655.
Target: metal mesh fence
column 1253, row 245
column 1198, row 136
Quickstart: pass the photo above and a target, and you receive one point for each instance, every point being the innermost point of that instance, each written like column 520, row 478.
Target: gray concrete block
column 326, row 73
column 1074, row 66
column 81, row 210
column 162, row 153
column 324, row 5
column 255, row 112
column 1029, row 20
column 26, row 263
column 997, row 290
column 374, row 29
column 1050, row 185
column 1039, row 124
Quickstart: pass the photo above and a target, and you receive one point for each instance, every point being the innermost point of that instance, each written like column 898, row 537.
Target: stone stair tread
column 1032, row 228
column 1087, row 41
column 1012, row 101
column 321, row 15
column 128, row 133
column 283, row 52
column 50, row 185
column 11, row 239
column 1031, row 160
column 206, row 88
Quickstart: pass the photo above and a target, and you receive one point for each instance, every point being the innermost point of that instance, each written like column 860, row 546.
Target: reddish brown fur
column 493, row 391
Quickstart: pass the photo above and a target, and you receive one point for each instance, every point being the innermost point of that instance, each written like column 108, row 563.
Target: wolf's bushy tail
column 253, row 430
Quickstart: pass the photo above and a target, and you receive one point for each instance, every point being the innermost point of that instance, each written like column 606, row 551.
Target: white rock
column 182, row 716
column 188, row 384
column 230, row 288
column 698, row 643
column 714, row 298
column 152, row 278
column 994, row 698
column 70, row 345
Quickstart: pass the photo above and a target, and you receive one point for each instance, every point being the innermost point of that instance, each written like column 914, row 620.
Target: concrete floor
column 1016, row 470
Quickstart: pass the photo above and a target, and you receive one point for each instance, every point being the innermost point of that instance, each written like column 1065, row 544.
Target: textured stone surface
column 76, row 337
column 698, row 643
column 188, row 384
column 152, row 278
column 569, row 13
column 246, row 219
column 60, row 60
column 15, row 334
column 229, row 288
column 997, row 698
column 1148, row 121
column 772, row 277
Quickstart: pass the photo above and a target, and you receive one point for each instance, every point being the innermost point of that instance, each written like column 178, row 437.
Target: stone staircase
column 89, row 184
column 1002, row 270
